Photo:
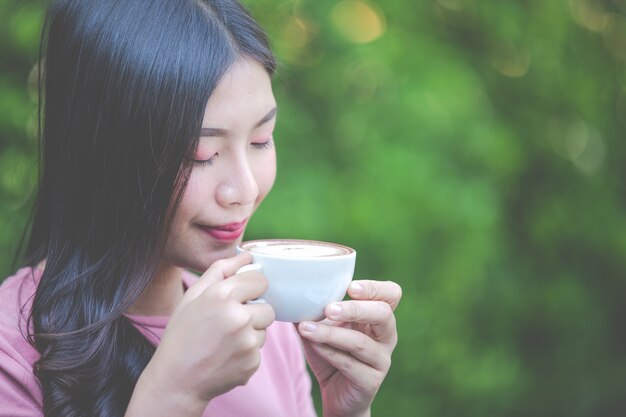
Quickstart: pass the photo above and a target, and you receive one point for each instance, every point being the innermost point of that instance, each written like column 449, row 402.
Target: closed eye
column 206, row 162
column 264, row 145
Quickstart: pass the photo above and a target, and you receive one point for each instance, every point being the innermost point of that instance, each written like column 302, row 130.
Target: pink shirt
column 280, row 387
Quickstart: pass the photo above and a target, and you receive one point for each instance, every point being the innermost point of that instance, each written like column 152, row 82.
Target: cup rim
column 351, row 251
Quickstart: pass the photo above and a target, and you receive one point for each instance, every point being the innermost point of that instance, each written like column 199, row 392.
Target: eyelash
column 205, row 162
column 264, row 145
column 210, row 161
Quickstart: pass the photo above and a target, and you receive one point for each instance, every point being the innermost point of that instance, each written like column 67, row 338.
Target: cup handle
column 248, row 268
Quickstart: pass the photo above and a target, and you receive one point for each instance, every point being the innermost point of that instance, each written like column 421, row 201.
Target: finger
column 217, row 272
column 262, row 315
column 357, row 372
column 261, row 337
column 357, row 311
column 377, row 314
column 243, row 287
column 386, row 291
column 357, row 344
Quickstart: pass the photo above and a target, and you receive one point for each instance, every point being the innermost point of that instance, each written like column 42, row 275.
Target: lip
column 226, row 232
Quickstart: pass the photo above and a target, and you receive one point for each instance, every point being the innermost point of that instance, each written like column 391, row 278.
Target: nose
column 238, row 185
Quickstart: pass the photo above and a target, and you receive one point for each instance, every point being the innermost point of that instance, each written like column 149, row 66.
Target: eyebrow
column 213, row 131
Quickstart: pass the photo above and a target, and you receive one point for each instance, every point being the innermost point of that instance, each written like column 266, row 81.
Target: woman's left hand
column 350, row 351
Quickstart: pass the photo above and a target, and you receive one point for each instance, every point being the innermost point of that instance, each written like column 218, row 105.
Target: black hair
column 123, row 87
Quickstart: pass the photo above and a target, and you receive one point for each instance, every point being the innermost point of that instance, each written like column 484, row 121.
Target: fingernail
column 334, row 309
column 356, row 288
column 308, row 327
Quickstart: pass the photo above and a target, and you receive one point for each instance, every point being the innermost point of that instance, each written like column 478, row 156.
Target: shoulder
column 16, row 294
column 19, row 388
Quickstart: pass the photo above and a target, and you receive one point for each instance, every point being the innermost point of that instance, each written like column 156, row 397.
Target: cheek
column 193, row 197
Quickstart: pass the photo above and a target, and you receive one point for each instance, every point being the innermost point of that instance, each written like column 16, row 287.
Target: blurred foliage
column 471, row 151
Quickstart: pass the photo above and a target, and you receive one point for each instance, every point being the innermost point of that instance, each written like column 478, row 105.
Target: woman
column 157, row 148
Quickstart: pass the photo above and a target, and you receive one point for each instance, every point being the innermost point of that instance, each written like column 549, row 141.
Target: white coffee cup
column 304, row 275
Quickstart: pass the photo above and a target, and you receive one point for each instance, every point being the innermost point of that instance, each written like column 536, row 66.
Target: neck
column 162, row 295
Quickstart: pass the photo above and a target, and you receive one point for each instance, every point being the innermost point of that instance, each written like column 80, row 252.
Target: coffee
column 304, row 276
column 295, row 248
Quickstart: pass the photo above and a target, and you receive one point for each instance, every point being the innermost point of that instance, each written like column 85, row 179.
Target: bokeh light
column 358, row 21
column 614, row 34
column 590, row 14
column 577, row 142
column 510, row 60
column 293, row 40
column 296, row 32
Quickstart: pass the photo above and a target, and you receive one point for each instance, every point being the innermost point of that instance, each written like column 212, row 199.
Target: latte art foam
column 296, row 249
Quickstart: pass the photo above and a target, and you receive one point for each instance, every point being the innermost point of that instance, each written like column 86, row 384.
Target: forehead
column 244, row 92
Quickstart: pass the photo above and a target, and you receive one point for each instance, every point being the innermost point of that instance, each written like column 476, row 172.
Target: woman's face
column 234, row 170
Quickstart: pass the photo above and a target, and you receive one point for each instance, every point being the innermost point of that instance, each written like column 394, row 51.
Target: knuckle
column 392, row 345
column 247, row 374
column 223, row 291
column 386, row 363
column 246, row 348
column 244, row 319
column 385, row 311
column 238, row 319
column 262, row 337
column 351, row 310
column 372, row 384
column 249, row 343
column 354, row 310
column 372, row 290
column 361, row 343
column 256, row 363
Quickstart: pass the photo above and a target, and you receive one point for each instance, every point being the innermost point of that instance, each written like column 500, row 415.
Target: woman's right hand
column 212, row 341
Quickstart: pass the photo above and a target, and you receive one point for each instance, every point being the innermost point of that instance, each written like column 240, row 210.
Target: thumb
column 218, row 271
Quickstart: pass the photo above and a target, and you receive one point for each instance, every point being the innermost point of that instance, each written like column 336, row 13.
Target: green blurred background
column 471, row 151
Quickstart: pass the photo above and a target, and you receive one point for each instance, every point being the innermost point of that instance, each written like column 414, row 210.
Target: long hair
column 124, row 86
